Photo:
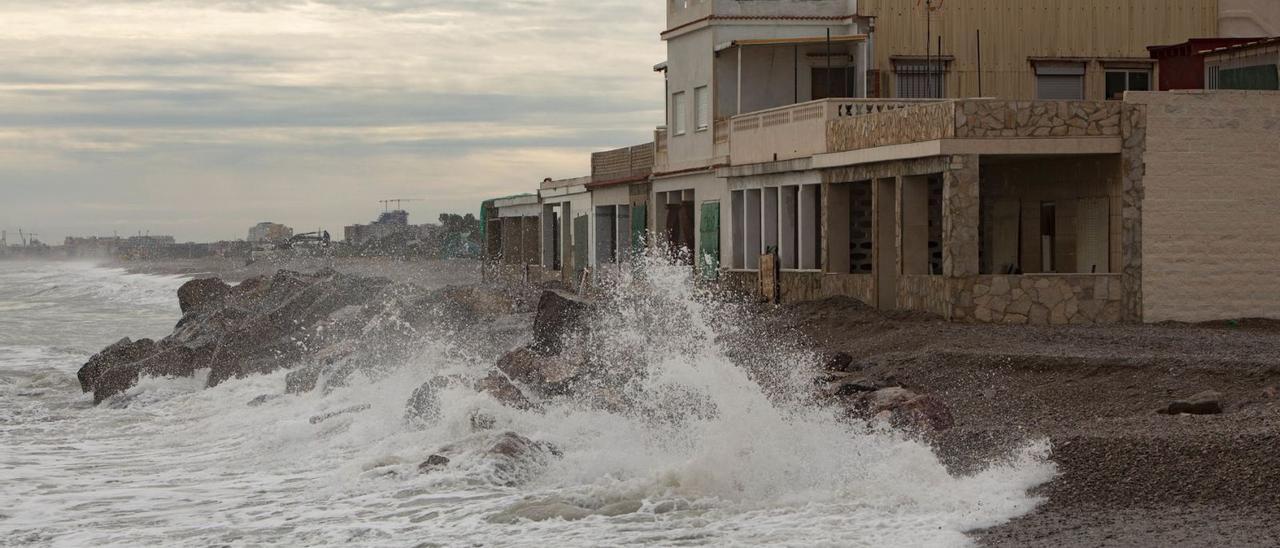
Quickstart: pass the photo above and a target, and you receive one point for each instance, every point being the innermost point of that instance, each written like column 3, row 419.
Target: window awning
column 791, row 41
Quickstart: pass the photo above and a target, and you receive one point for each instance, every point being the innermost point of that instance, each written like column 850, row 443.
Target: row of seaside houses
column 1044, row 161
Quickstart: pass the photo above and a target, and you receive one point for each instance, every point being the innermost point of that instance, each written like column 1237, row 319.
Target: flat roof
column 788, row 41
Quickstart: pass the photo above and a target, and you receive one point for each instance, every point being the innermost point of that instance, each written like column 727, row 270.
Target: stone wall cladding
column 930, row 294
column 1003, row 119
column 1210, row 192
column 857, row 286
column 1061, row 299
column 976, row 119
column 960, row 217
column 913, row 124
column 1133, row 170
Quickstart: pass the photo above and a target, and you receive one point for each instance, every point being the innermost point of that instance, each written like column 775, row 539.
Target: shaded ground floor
column 1004, row 238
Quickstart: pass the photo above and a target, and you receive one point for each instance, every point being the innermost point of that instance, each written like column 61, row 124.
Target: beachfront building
column 726, row 58
column 1071, row 197
column 1042, row 49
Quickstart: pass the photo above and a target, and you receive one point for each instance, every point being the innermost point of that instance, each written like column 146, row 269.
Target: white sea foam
column 711, row 458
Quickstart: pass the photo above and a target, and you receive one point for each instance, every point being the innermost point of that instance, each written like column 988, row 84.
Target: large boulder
column 903, row 408
column 500, row 388
column 549, row 375
column 559, row 316
column 122, row 352
column 264, row 324
column 201, row 293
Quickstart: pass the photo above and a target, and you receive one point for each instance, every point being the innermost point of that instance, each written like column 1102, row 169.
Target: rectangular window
column 678, row 114
column 1120, row 81
column 918, row 79
column 1060, row 81
column 1258, row 77
column 702, row 108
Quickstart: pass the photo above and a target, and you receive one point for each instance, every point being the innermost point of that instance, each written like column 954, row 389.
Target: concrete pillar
column 960, row 217
column 788, row 235
column 885, row 249
column 836, row 227
column 751, row 230
column 769, row 218
column 738, row 221
column 915, row 225
column 808, row 216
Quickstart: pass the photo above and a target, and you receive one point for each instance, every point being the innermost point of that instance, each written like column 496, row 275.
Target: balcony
column 799, row 130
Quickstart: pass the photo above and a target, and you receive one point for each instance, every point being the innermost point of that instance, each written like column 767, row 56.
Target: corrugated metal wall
column 1015, row 30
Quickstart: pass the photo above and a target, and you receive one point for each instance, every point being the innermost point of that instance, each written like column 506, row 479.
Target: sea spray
column 713, row 446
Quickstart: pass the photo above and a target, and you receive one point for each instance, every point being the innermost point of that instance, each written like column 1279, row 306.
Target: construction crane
column 386, row 204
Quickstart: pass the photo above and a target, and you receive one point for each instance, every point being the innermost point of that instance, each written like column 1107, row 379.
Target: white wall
column 1210, row 239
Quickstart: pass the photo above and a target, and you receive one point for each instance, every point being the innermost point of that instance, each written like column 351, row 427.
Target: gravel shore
column 1128, row 475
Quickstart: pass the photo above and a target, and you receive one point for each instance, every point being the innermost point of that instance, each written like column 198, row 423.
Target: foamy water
column 710, row 459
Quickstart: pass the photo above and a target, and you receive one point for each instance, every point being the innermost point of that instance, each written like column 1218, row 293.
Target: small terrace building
column 1047, row 212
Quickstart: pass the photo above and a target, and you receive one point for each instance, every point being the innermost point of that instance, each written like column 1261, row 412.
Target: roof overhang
column 791, row 41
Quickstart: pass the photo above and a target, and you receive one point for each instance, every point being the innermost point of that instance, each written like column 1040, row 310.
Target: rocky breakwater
column 326, row 320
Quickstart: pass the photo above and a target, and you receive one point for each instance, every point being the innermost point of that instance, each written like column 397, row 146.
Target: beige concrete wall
column 1015, row 30
column 1210, row 235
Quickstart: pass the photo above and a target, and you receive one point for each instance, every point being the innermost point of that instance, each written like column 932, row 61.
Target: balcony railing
column 799, row 130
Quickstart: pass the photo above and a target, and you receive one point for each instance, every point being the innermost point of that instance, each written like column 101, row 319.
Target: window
column 678, row 112
column 1120, row 81
column 1060, row 81
column 702, row 108
column 920, row 79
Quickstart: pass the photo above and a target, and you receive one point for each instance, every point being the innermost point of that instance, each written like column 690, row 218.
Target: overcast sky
column 199, row 118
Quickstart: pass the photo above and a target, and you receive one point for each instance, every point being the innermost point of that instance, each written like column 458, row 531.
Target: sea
column 725, row 462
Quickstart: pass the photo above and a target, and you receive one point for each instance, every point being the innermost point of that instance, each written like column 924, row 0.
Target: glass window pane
column 1115, row 85
column 1140, row 81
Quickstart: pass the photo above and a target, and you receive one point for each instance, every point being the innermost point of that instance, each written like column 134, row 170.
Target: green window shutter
column 1263, row 77
column 580, row 240
column 709, row 248
column 639, row 227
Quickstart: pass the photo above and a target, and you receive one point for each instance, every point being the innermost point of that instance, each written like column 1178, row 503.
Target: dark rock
column 201, row 293
column 517, row 458
column 350, row 410
column 1204, row 403
column 497, row 385
column 1271, row 392
column 846, row 385
column 547, row 374
column 481, row 421
column 906, row 409
column 336, row 322
column 559, row 315
column 434, row 462
column 122, row 352
column 264, row 399
column 423, row 407
column 840, row 362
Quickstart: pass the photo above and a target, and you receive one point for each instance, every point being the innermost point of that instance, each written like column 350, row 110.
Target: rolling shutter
column 1060, row 81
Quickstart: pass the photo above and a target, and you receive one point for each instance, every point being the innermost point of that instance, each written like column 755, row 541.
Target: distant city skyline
column 201, row 119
